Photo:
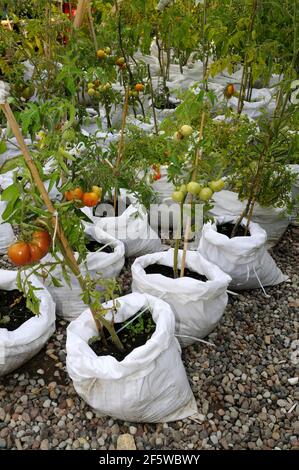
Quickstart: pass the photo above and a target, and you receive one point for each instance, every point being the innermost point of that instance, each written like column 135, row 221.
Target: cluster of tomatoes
column 89, row 199
column 157, row 174
column 204, row 193
column 136, row 90
column 185, row 131
column 96, row 88
column 22, row 252
column 102, row 54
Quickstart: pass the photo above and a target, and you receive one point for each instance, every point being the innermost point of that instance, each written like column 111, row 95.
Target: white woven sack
column 198, row 306
column 245, row 259
column 149, row 385
column 20, row 345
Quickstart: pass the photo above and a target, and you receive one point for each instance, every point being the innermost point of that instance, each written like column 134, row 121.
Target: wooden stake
column 81, row 9
column 91, row 26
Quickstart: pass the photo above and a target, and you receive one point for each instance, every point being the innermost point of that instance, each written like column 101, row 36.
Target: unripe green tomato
column 205, row 194
column 177, row 136
column 183, row 188
column 186, row 130
column 217, row 185
column 193, row 188
column 90, row 85
column 178, row 196
column 91, row 91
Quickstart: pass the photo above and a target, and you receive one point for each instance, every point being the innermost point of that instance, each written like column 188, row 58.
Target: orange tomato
column 42, row 240
column 90, row 199
column 229, row 90
column 19, row 253
column 22, row 253
column 139, row 87
column 73, row 194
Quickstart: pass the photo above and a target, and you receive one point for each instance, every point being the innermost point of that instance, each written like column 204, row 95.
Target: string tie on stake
column 55, row 214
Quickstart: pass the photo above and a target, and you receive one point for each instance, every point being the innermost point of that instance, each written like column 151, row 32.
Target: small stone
column 47, row 404
column 214, row 439
column 229, row 399
column 2, row 443
column 2, row 414
column 293, row 380
column 125, row 442
column 267, row 339
column 40, row 372
column 89, row 415
column 259, row 443
column 44, row 445
column 132, row 430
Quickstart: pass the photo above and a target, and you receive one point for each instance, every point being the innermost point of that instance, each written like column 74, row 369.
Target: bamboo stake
column 80, row 13
column 91, row 26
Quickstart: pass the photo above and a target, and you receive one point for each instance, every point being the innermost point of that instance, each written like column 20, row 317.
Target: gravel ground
column 245, row 397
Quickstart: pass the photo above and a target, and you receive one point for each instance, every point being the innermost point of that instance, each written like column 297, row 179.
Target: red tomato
column 157, row 176
column 36, row 253
column 19, row 253
column 42, row 240
column 90, row 199
column 22, row 253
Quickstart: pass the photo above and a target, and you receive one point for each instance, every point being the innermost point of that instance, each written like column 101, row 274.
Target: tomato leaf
column 3, row 146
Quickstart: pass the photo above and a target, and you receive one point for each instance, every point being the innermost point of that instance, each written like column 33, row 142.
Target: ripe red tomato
column 157, row 176
column 19, row 253
column 42, row 240
column 22, row 253
column 90, row 199
column 36, row 253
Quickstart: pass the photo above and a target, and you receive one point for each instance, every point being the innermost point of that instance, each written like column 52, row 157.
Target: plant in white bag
column 29, row 205
column 199, row 164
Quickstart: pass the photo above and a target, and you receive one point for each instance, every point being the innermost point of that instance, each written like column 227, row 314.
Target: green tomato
column 27, row 92
column 205, row 194
column 3, row 146
column 91, row 91
column 178, row 196
column 217, row 185
column 183, row 188
column 177, row 136
column 193, row 188
column 186, row 130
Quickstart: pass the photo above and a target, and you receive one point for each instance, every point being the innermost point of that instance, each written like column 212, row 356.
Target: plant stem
column 152, row 98
column 121, row 141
